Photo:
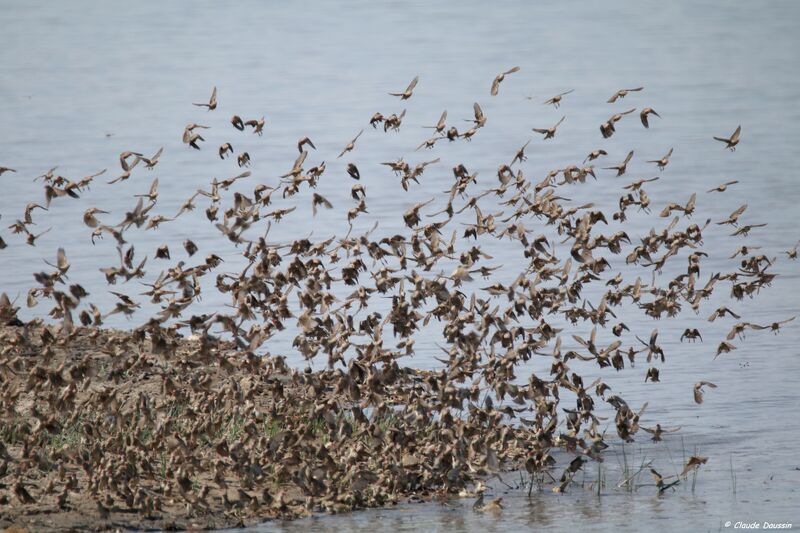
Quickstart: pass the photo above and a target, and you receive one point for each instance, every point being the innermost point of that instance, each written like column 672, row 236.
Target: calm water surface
column 81, row 82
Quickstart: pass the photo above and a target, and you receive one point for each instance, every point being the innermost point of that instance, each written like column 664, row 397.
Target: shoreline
column 102, row 431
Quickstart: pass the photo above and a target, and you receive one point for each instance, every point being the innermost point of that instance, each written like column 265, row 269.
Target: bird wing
column 495, row 86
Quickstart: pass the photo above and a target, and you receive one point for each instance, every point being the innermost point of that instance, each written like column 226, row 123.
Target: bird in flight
column 405, row 95
column 549, row 133
column 622, row 93
column 555, row 101
column 732, row 141
column 351, row 144
column 212, row 102
column 500, row 78
column 643, row 115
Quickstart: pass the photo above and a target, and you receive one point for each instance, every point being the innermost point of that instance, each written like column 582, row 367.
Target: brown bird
column 744, row 231
column 430, row 143
column 556, row 100
column 549, row 133
column 733, row 219
column 659, row 479
column 189, row 135
column 318, row 199
column 411, row 216
column 351, row 144
column 691, row 334
column 302, row 142
column 405, row 95
column 698, row 390
column 376, row 119
column 607, row 128
column 792, row 252
column 775, row 326
column 658, row 431
column 652, row 347
column 693, row 463
column 480, row 118
column 31, row 238
column 724, row 347
column 440, row 126
column 663, row 162
column 723, row 187
column 190, row 247
column 212, row 102
column 237, row 122
column 643, row 115
column 89, row 219
column 622, row 167
column 358, row 191
column 520, row 155
column 62, row 263
column 500, row 78
column 352, row 170
column 732, row 141
column 192, row 139
column 594, row 155
column 257, row 125
column 393, row 121
column 27, row 217
column 150, row 163
column 3, row 170
column 152, row 193
column 224, row 150
column 622, row 93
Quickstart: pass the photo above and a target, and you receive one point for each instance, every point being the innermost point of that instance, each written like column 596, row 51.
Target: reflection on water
column 83, row 82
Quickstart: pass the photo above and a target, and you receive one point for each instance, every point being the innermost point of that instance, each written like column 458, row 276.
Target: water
column 82, row 82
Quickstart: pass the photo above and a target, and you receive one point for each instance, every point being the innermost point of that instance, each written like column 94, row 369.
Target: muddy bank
column 107, row 429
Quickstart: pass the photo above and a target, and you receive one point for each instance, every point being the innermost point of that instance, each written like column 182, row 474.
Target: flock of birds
column 368, row 429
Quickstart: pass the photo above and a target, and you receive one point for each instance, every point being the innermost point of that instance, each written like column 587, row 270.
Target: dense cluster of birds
column 226, row 428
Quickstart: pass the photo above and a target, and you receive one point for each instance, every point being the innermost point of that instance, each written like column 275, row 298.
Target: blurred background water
column 83, row 81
